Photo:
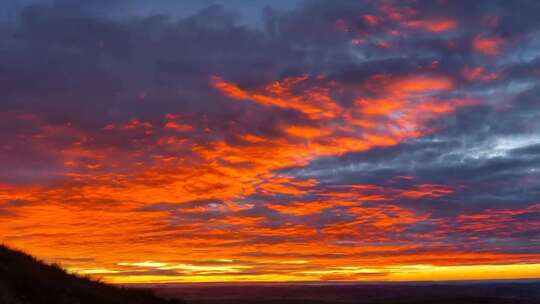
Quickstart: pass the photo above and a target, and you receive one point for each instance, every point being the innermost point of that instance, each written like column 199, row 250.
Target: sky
column 214, row 141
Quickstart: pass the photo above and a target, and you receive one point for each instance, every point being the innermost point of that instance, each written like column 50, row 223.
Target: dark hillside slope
column 25, row 280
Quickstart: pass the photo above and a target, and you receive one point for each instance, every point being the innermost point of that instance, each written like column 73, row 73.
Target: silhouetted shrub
column 26, row 280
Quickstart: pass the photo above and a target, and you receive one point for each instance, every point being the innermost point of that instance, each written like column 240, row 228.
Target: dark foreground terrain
column 25, row 280
column 425, row 293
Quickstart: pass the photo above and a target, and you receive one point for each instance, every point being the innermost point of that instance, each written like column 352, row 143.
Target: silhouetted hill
column 25, row 280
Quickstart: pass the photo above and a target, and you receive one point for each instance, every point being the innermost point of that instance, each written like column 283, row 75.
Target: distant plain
column 466, row 292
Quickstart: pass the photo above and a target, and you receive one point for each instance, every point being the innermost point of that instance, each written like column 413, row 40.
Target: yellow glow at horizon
column 390, row 273
column 345, row 270
column 297, row 262
column 472, row 272
column 188, row 267
column 149, row 264
column 91, row 271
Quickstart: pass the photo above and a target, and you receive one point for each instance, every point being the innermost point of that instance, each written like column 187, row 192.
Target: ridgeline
column 26, row 280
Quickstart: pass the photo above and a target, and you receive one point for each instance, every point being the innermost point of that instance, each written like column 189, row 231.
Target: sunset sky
column 274, row 140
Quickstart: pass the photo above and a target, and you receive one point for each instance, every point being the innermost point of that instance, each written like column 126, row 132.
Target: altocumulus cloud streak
column 327, row 140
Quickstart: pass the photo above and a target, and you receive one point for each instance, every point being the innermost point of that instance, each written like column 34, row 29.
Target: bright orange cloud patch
column 488, row 46
column 371, row 20
column 479, row 74
column 434, row 26
column 182, row 194
column 314, row 101
column 300, row 209
column 427, row 190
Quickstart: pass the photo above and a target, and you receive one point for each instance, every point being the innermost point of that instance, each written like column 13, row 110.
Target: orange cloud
column 500, row 221
column 370, row 20
column 488, row 46
column 479, row 73
column 300, row 208
column 427, row 190
column 315, row 102
column 306, row 132
column 208, row 183
column 396, row 13
column 434, row 26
